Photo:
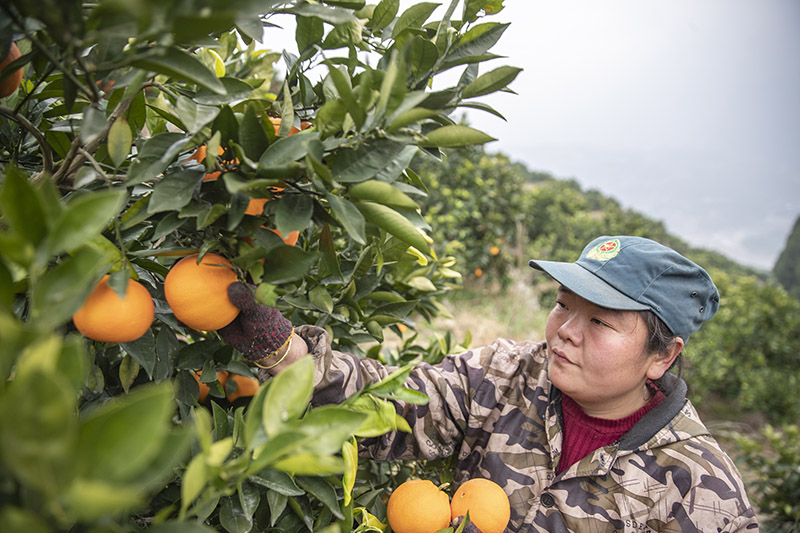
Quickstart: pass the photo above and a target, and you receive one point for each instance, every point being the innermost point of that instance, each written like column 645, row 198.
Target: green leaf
column 366, row 161
column 350, row 456
column 323, row 491
column 383, row 193
column 490, row 82
column 349, row 216
column 482, row 107
column 252, row 136
column 327, row 427
column 122, row 437
column 277, row 503
column 328, row 249
column 394, row 223
column 384, row 14
column 281, row 445
column 411, row 116
column 235, row 90
column 20, row 206
column 454, row 136
column 346, row 34
column 422, row 56
column 476, row 42
column 321, row 298
column 91, row 499
column 94, row 121
column 277, row 481
column 83, row 218
column 158, row 152
column 183, row 66
column 288, row 395
column 193, row 115
column 381, row 416
column 143, row 351
column 311, row 464
column 119, row 141
column 38, row 429
column 193, row 481
column 342, row 83
column 175, row 190
column 293, row 213
column 287, row 263
column 128, row 370
column 233, row 518
column 331, row 15
column 414, row 17
column 309, row 31
column 393, row 87
column 286, row 150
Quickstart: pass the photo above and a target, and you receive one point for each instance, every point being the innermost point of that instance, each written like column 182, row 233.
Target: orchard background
column 146, row 131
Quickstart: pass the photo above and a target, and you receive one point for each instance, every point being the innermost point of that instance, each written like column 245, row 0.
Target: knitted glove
column 259, row 332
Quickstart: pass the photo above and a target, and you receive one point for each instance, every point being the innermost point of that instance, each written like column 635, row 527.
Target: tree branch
column 47, row 154
column 77, row 154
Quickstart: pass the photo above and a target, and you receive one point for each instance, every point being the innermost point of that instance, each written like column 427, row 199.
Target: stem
column 94, row 163
column 75, row 158
column 47, row 155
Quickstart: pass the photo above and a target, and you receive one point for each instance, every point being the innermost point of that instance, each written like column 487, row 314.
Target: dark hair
column 660, row 338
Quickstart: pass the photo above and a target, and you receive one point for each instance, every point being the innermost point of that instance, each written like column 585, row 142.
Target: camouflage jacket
column 496, row 410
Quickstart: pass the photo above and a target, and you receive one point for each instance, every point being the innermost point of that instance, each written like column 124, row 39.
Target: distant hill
column 787, row 267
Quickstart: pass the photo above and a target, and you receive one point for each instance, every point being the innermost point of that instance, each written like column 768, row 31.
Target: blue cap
column 637, row 274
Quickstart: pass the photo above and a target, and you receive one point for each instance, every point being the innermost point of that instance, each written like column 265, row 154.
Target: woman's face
column 597, row 356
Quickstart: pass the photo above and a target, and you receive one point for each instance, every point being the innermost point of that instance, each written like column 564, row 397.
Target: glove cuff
column 287, row 343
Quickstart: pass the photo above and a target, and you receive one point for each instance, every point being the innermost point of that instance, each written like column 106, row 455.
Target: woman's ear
column 661, row 362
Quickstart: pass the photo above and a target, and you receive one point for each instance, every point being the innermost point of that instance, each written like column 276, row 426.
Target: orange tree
column 101, row 175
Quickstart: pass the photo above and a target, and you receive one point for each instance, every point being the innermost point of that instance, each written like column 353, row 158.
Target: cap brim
column 587, row 285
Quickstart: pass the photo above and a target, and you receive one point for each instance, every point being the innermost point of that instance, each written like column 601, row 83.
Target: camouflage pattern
column 495, row 408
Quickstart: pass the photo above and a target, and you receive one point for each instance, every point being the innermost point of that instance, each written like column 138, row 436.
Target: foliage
column 478, row 207
column 749, row 352
column 776, row 458
column 787, row 267
column 98, row 177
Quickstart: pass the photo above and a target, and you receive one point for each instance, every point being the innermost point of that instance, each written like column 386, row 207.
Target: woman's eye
column 600, row 322
column 560, row 305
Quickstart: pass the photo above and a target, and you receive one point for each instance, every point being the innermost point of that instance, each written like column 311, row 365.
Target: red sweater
column 584, row 434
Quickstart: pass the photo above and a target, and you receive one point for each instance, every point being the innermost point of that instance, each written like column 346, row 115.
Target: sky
column 687, row 111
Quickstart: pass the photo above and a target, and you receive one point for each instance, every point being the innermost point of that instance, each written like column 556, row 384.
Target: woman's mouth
column 558, row 355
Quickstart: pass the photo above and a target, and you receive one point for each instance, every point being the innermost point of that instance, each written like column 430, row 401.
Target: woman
column 586, row 431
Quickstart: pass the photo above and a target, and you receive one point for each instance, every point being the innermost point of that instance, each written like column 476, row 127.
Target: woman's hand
column 261, row 333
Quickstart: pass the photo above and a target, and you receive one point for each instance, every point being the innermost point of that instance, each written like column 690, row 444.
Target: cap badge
column 604, row 251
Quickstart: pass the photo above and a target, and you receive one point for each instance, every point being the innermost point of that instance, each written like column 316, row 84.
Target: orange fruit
column 222, row 377
column 105, row 317
column 478, row 272
column 418, row 506
column 245, row 386
column 487, row 503
column 256, row 206
column 198, row 293
column 494, row 250
column 11, row 82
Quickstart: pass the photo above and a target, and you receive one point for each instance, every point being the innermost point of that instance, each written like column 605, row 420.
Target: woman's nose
column 570, row 330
